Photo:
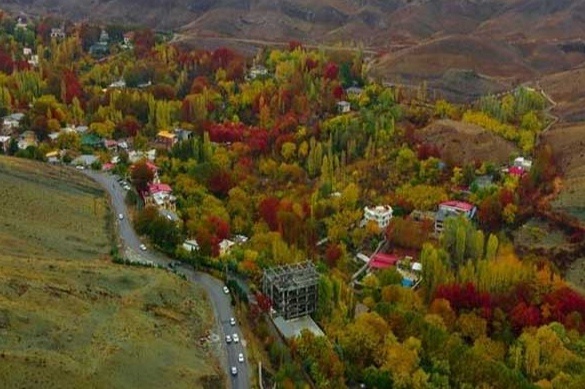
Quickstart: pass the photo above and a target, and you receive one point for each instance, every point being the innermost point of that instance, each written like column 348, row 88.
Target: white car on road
column 236, row 338
column 226, row 290
column 234, row 370
column 228, row 339
column 143, row 247
column 121, row 216
column 241, row 358
column 232, row 321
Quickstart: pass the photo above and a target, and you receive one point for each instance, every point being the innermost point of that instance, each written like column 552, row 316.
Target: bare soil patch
column 464, row 143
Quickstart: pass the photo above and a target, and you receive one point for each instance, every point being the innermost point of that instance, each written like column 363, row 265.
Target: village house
column 159, row 195
column 182, row 135
column 120, row 84
column 85, row 160
column 354, row 90
column 256, row 71
column 343, row 106
column 27, row 139
column 523, row 163
column 26, row 51
column 165, row 138
column 5, row 143
column 137, row 155
column 91, row 140
column 452, row 209
column 225, row 246
column 11, row 122
column 21, row 23
column 191, row 245
column 380, row 214
column 111, row 145
column 58, row 33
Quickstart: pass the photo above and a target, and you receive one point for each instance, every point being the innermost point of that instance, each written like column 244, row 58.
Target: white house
column 453, row 209
column 191, row 245
column 380, row 214
column 343, row 106
column 524, row 163
column 225, row 246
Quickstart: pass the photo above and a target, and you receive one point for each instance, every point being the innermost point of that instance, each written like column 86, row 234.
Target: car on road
column 241, row 358
column 143, row 247
column 226, row 290
column 228, row 339
column 121, row 216
column 236, row 338
column 127, row 187
column 80, row 167
column 234, row 370
column 232, row 321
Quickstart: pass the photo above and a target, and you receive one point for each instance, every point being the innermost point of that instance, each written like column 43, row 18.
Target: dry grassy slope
column 71, row 320
column 50, row 212
column 465, row 143
column 567, row 139
column 72, row 324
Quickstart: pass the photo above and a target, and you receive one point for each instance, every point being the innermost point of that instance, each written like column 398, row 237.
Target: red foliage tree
column 6, row 63
column 490, row 213
column 163, row 92
column 310, row 64
column 564, row 301
column 332, row 254
column 221, row 58
column 426, row 151
column 219, row 227
column 199, row 84
column 268, row 209
column 128, row 127
column 465, row 297
column 524, row 315
column 73, row 87
column 220, row 183
column 338, row 92
column 144, row 41
column 330, row 71
column 293, row 45
column 264, row 302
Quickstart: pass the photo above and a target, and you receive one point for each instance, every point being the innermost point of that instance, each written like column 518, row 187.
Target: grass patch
column 50, row 212
column 68, row 315
column 66, row 323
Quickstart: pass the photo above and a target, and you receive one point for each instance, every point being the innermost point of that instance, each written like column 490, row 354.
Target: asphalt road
column 214, row 287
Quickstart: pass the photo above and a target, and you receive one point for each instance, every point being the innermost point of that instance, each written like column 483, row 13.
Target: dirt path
column 180, row 37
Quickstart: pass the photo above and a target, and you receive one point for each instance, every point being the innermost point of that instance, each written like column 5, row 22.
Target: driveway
column 221, row 302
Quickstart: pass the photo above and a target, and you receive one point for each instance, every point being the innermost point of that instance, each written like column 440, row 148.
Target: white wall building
column 380, row 214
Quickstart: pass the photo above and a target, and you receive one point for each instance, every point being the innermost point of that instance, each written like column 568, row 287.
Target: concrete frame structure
column 292, row 289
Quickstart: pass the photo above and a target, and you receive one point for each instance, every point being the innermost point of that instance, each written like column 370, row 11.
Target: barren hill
column 508, row 41
column 466, row 143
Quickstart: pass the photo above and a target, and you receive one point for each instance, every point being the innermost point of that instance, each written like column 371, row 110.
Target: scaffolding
column 292, row 289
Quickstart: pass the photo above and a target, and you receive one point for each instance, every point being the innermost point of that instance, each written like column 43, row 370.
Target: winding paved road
column 214, row 288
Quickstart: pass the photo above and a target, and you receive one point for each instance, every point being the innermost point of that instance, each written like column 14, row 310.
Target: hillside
column 68, row 317
column 511, row 41
column 466, row 143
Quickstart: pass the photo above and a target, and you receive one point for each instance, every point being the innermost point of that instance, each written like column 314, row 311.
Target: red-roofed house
column 383, row 261
column 452, row 209
column 108, row 166
column 159, row 195
column 516, row 171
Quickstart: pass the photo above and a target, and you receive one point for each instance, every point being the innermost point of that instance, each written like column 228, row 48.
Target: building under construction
column 292, row 289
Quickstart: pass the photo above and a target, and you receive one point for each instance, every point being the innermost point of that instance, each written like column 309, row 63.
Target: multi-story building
column 453, row 209
column 380, row 214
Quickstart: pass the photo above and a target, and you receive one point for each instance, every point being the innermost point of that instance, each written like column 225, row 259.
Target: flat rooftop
column 292, row 328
